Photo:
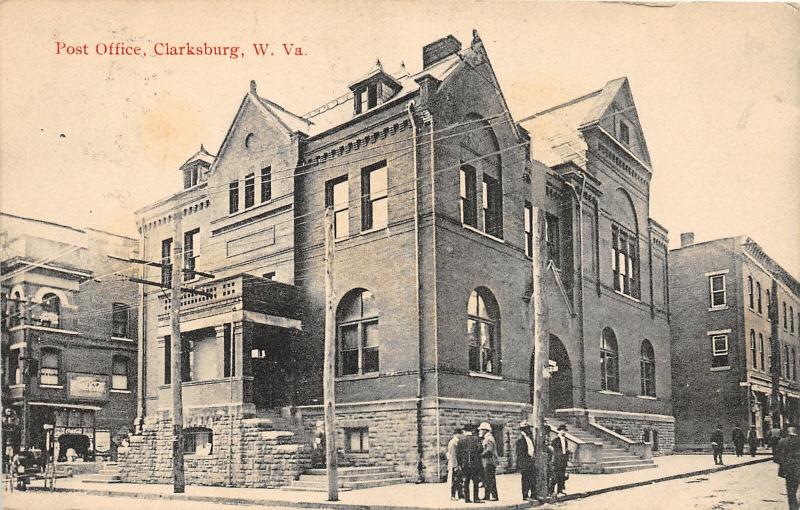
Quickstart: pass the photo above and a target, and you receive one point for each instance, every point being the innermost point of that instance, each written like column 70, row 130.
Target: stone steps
column 109, row 473
column 348, row 478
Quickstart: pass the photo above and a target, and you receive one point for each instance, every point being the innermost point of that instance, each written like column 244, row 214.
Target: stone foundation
column 246, row 451
column 631, row 425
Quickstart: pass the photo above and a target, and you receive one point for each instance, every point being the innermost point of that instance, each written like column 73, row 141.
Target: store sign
column 87, row 386
column 103, row 440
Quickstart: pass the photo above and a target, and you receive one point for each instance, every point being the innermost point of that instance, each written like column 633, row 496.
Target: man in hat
column 560, row 460
column 468, row 453
column 789, row 458
column 717, row 444
column 738, row 440
column 456, row 484
column 525, row 463
column 490, row 461
column 752, row 441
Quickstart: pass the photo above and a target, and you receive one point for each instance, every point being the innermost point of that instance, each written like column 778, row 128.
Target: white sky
column 716, row 87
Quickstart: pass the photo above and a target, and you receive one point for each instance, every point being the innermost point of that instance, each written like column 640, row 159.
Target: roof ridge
column 284, row 110
column 568, row 103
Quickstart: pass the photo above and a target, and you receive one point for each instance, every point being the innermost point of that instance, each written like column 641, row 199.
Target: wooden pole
column 178, row 479
column 775, row 355
column 329, row 397
column 541, row 349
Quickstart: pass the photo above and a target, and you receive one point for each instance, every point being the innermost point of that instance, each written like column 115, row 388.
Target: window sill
column 122, row 339
column 609, row 392
column 15, row 386
column 369, row 231
column 627, row 296
column 112, row 390
column 481, row 232
column 646, row 397
column 356, row 377
column 45, row 328
column 485, row 375
column 719, row 369
column 52, row 386
column 718, row 308
column 249, row 209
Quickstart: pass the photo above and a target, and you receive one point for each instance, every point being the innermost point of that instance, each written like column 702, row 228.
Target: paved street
column 35, row 500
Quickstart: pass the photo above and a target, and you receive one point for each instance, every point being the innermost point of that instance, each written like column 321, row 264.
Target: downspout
column 582, row 350
column 141, row 386
column 420, row 447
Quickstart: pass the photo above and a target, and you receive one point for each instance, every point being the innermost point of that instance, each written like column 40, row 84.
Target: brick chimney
column 438, row 50
column 687, row 239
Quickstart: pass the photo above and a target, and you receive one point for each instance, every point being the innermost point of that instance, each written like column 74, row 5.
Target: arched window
column 357, row 334
column 791, row 319
column 50, row 315
column 750, row 297
column 761, row 347
column 198, row 441
column 648, row 364
column 769, row 304
column 758, row 295
column 483, row 331
column 119, row 373
column 785, row 323
column 49, row 367
column 609, row 361
column 753, row 348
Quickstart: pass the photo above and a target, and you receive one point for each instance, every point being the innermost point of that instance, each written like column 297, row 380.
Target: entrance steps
column 110, row 473
column 349, row 478
column 613, row 458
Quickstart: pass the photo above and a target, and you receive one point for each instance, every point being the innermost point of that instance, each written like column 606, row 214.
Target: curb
column 354, row 506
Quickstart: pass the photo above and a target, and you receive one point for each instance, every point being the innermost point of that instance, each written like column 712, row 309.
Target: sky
column 86, row 139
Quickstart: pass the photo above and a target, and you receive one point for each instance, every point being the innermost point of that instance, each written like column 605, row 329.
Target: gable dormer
column 195, row 168
column 375, row 88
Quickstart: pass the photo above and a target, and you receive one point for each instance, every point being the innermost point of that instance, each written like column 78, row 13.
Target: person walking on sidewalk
column 737, row 436
column 717, row 443
column 524, row 450
column 490, row 461
column 789, row 458
column 468, row 452
column 560, row 460
column 456, row 483
column 752, row 441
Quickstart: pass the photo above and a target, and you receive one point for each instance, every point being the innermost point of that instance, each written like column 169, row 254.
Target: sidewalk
column 410, row 496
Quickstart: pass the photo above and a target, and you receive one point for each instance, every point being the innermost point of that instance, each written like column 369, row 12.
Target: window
column 716, row 285
column 483, row 327
column 785, row 323
column 337, row 195
column 553, row 239
column 366, row 98
column 769, row 304
column 190, row 176
column 609, row 361
column 374, row 205
column 248, row 140
column 249, row 190
column 648, row 366
column 50, row 315
column 750, row 292
column 358, row 334
column 528, row 221
column 49, row 367
column 266, row 184
column 761, row 347
column 492, row 207
column 469, row 197
column 119, row 320
column 758, row 296
column 624, row 133
column 189, row 256
column 229, row 357
column 625, row 261
column 167, row 360
column 357, row 439
column 753, row 348
column 786, row 364
column 791, row 319
column 794, row 364
column 198, row 441
column 719, row 351
column 233, row 196
column 166, row 261
column 119, row 373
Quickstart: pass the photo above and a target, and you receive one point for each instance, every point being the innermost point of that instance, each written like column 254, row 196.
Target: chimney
column 438, row 50
column 687, row 239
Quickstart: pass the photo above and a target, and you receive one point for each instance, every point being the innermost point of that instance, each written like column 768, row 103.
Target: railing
column 641, row 449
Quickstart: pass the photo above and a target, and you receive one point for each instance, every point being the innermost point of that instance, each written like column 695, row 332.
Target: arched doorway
column 560, row 381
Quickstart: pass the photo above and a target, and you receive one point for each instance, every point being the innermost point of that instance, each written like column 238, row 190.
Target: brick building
column 68, row 336
column 735, row 331
column 431, row 182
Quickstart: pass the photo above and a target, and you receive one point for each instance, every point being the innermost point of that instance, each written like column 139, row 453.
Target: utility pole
column 178, row 479
column 775, row 355
column 541, row 350
column 328, row 388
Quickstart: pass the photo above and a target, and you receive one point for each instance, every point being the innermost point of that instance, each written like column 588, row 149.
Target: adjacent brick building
column 68, row 336
column 735, row 332
column 431, row 182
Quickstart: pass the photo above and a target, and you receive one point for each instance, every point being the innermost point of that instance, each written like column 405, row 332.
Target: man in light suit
column 490, row 461
column 560, row 460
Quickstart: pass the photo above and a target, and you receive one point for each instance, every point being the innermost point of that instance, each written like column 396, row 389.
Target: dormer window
column 366, row 98
column 190, row 177
column 373, row 89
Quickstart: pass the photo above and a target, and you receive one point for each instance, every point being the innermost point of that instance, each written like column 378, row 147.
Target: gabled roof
column 201, row 155
column 769, row 263
column 292, row 122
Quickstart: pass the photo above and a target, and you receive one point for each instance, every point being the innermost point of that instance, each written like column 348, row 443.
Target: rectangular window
column 469, row 197
column 266, row 184
column 229, row 357
column 337, row 195
column 49, row 367
column 249, row 190
column 233, row 196
column 119, row 320
column 349, row 349
column 624, row 133
column 370, row 360
column 528, row 223
column 119, row 373
column 625, row 261
column 553, row 239
column 357, row 440
column 198, row 441
column 372, row 95
column 719, row 351
column 189, row 254
column 166, row 261
column 492, row 207
column 716, row 284
column 167, row 360
column 375, row 200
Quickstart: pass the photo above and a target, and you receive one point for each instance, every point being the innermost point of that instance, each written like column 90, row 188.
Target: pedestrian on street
column 468, row 452
column 560, row 460
column 717, row 443
column 752, row 441
column 774, row 438
column 490, row 461
column 456, row 483
column 525, row 464
column 738, row 440
column 789, row 460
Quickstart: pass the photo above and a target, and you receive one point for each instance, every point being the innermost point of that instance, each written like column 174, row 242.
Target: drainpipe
column 141, row 377
column 420, row 447
column 581, row 351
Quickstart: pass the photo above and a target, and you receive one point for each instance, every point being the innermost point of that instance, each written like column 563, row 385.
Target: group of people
column 738, row 438
column 472, row 459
